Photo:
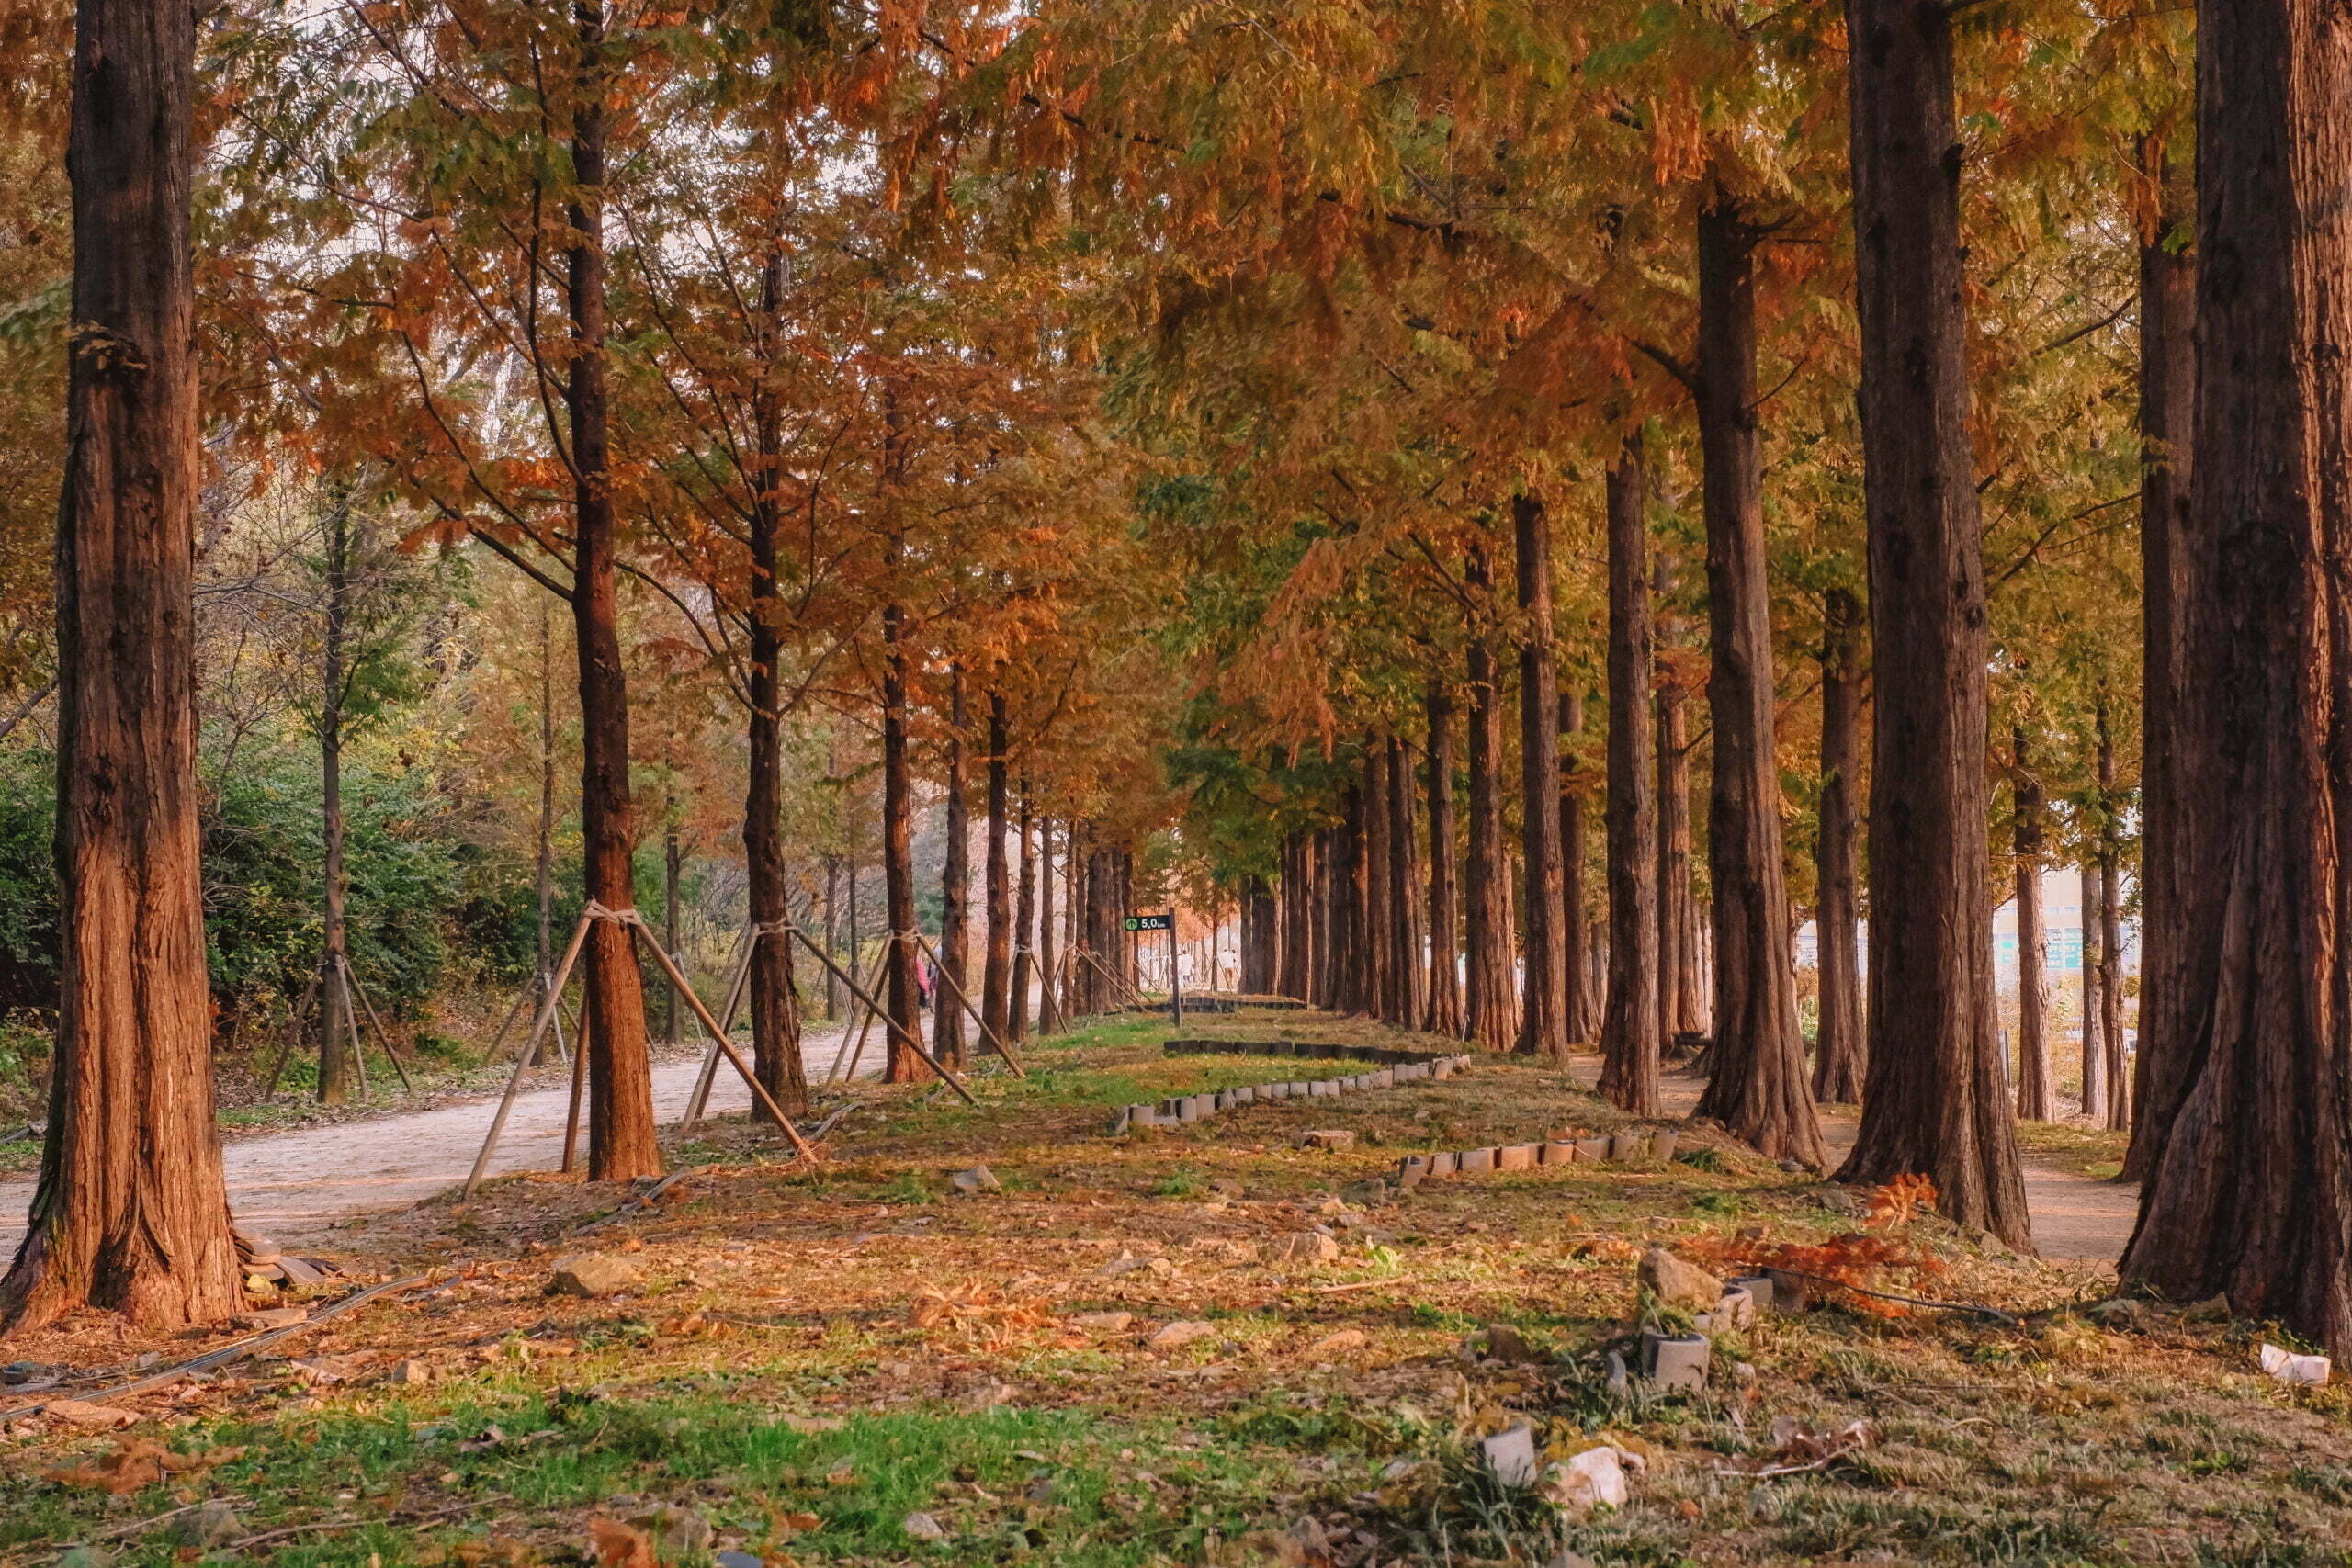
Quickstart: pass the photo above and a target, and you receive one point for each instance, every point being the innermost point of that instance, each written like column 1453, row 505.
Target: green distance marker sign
column 1150, row 922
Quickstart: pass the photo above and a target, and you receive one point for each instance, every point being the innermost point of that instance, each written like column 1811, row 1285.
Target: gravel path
column 289, row 1186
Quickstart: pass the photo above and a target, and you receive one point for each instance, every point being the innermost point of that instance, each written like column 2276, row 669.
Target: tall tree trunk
column 1049, row 1005
column 2110, row 934
column 336, row 1076
column 1677, row 937
column 1379, row 936
column 1024, row 917
column 1937, row 1102
column 1631, row 1030
column 1353, row 975
column 1577, row 1004
column 621, row 1142
column 1836, row 916
column 955, row 887
column 1493, row 1002
column 2034, row 1096
column 130, row 1212
column 774, row 999
column 2168, row 433
column 1543, row 1020
column 1407, row 939
column 2094, row 919
column 1759, row 1088
column 673, row 857
column 901, row 994
column 996, row 973
column 1445, row 1015
column 544, row 842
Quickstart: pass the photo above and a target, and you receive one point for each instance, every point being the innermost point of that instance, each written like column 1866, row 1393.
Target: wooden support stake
column 383, row 1035
column 864, row 1022
column 293, row 1032
column 531, row 1045
column 940, row 969
column 917, row 1046
column 572, row 1106
column 699, row 1102
column 636, row 923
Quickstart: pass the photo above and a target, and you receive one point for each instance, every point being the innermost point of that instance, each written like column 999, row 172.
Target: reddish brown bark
column 1025, row 918
column 1379, row 933
column 900, row 996
column 130, row 1212
column 955, row 887
column 774, row 1002
column 621, row 1142
column 1937, row 1102
column 1677, row 935
column 2168, row 433
column 1837, row 916
column 1759, row 1088
column 2249, row 1188
column 1408, row 981
column 2093, row 917
column 1631, row 1029
column 1542, row 1019
column 1578, row 1004
column 2034, row 1096
column 1492, row 992
column 2110, row 934
column 1049, row 1006
column 996, row 973
column 1445, row 1015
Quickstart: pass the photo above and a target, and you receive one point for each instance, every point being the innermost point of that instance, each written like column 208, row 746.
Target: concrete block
column 1592, row 1148
column 1662, row 1147
column 1558, row 1151
column 1758, row 1288
column 1188, row 1108
column 1791, row 1293
column 1384, row 1079
column 1298, row 1089
column 1516, row 1156
column 1674, row 1360
column 1412, row 1171
column 1442, row 1068
column 1322, row 1088
column 1447, row 1164
column 1629, row 1146
column 1475, row 1161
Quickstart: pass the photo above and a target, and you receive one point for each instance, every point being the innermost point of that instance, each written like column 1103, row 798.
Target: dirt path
column 2075, row 1219
column 292, row 1185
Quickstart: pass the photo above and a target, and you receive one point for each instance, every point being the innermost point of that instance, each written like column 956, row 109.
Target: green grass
column 1077, row 1487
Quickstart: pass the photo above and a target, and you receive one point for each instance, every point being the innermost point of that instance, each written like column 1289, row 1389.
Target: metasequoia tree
column 130, row 1212
column 2250, row 1171
column 1631, row 1036
column 1935, row 1098
column 1839, row 1062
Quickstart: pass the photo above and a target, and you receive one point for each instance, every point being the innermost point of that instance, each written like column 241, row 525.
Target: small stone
column 980, row 1179
column 1564, row 1558
column 1103, row 1322
column 2117, row 1312
column 86, row 1557
column 1325, row 1138
column 1305, row 1246
column 2213, row 1309
column 1509, row 1457
column 740, row 1560
column 1592, row 1478
column 215, row 1524
column 593, row 1274
column 1678, row 1283
column 922, row 1527
column 1370, row 1194
column 409, row 1372
column 1182, row 1332
column 1225, row 1186
column 1794, row 1167
column 1332, row 1343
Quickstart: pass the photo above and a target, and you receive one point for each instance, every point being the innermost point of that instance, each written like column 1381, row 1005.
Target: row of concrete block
column 1415, row 1168
column 1317, row 1051
column 1185, row 1109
